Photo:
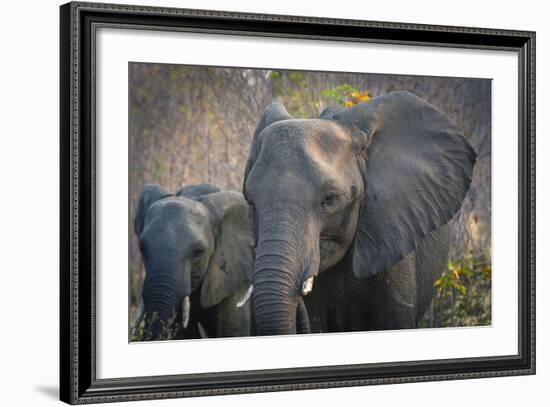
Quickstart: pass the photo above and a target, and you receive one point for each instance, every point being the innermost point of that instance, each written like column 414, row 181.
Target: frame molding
column 78, row 382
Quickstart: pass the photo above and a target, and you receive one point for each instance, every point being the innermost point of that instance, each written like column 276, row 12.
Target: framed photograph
column 255, row 203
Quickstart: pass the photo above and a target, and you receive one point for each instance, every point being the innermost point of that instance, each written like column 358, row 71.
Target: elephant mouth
column 302, row 319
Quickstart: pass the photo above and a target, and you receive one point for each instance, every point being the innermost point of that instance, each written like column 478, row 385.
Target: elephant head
column 197, row 238
column 365, row 184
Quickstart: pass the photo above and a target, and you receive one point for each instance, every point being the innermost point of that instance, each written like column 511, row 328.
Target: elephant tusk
column 307, row 286
column 139, row 317
column 246, row 296
column 185, row 311
column 202, row 331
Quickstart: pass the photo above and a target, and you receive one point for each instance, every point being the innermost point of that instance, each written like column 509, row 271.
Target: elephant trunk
column 161, row 298
column 275, row 310
column 279, row 272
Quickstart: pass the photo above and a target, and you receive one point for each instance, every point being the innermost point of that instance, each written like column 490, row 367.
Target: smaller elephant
column 198, row 254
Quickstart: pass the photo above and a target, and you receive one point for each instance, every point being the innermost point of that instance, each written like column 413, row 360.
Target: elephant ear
column 418, row 170
column 196, row 191
column 149, row 195
column 232, row 262
column 274, row 112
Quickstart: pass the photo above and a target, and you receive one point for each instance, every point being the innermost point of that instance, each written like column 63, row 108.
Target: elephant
column 197, row 249
column 350, row 213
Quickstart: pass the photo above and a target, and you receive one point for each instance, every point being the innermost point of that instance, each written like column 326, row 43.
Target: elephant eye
column 197, row 253
column 329, row 200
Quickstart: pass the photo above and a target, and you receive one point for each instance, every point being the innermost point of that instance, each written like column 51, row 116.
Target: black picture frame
column 78, row 382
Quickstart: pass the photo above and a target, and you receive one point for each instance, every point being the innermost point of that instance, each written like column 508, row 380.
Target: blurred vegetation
column 193, row 124
column 463, row 295
column 346, row 95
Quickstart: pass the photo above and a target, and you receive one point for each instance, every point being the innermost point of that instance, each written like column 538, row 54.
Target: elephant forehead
column 328, row 144
column 306, row 139
column 178, row 211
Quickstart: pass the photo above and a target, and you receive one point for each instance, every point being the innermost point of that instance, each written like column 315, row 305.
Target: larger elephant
column 196, row 247
column 350, row 213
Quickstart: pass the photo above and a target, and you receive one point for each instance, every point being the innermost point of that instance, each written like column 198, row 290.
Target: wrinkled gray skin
column 360, row 200
column 197, row 244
